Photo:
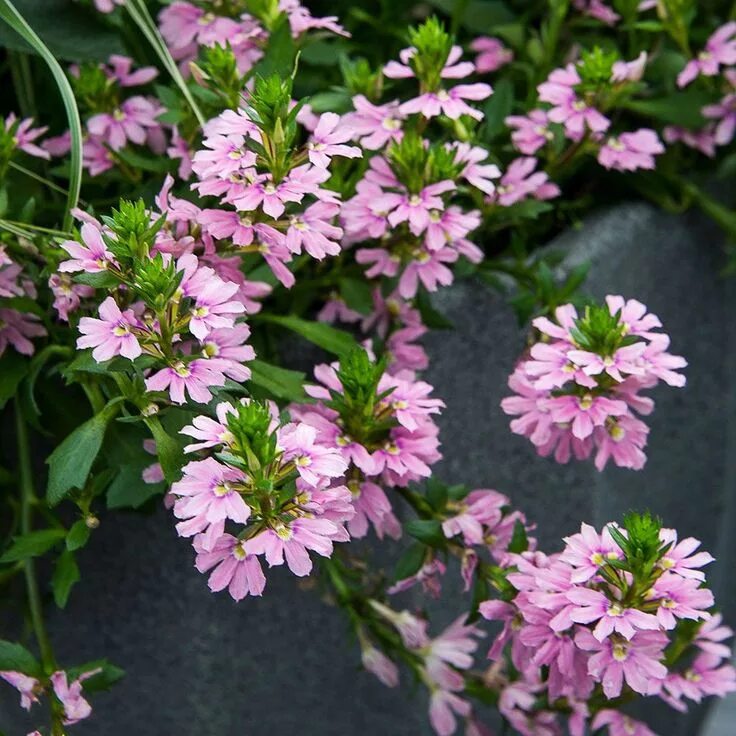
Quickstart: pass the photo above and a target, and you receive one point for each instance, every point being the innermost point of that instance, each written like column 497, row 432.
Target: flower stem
column 28, row 500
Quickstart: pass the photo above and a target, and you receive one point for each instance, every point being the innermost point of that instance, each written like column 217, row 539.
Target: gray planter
column 200, row 665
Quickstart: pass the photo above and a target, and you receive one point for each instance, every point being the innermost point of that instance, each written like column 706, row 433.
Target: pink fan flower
column 492, row 54
column 16, row 328
column 24, row 136
column 552, row 366
column 706, row 676
column 195, row 378
column 107, row 6
column 583, row 412
column 443, row 708
column 67, row 294
column 416, row 208
column 622, row 439
column 132, row 121
column 530, row 132
column 589, row 606
column 374, row 125
column 91, row 256
column 452, row 650
column 615, row 660
column 680, row 598
column 214, row 307
column 27, row 687
column 291, row 541
column 724, row 114
column 453, row 68
column 76, row 708
column 629, row 71
column 599, row 10
column 271, row 197
column 378, row 664
column 631, row 151
column 521, row 181
column 313, row 230
column 681, row 557
column 587, row 551
column 449, row 102
column 620, row 724
column 112, row 335
column 226, row 350
column 314, row 462
column 428, row 268
column 372, row 505
column 624, row 360
column 206, row 496
column 120, row 70
column 720, row 50
column 703, row 140
column 328, row 140
column 234, row 568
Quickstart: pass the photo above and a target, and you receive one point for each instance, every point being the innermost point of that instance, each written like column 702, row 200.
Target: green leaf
column 519, row 541
column 428, row 531
column 280, row 382
column 430, row 316
column 70, row 463
column 66, row 573
column 497, row 108
column 13, row 368
column 16, row 658
column 357, row 294
column 33, row 544
column 129, row 490
column 479, row 16
column 158, row 165
column 410, row 562
column 280, row 52
column 678, row 108
column 77, row 536
column 109, row 674
column 16, row 21
column 436, row 494
column 329, row 338
column 169, row 451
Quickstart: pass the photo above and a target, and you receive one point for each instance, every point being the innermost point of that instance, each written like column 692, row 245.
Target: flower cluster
column 381, row 425
column 18, row 321
column 176, row 314
column 19, row 135
column 615, row 613
column 66, row 692
column 273, row 484
column 580, row 385
column 269, row 182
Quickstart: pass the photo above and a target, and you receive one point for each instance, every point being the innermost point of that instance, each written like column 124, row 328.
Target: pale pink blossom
column 111, row 335
column 232, row 567
column 720, row 50
column 492, row 54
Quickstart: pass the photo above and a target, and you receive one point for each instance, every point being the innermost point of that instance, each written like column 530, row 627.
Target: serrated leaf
column 32, row 544
column 66, row 573
column 70, row 463
column 77, row 536
column 16, row 658
column 410, row 562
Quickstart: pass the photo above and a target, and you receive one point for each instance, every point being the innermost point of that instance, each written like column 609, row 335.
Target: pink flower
column 15, row 329
column 76, row 708
column 195, row 377
column 120, row 71
column 552, row 366
column 226, row 350
column 378, row 664
column 132, row 121
column 451, row 69
column 597, row 9
column 24, row 136
column 474, row 172
column 521, row 181
column 624, row 360
column 592, row 605
column 374, row 126
column 372, row 505
column 112, row 335
column 313, row 462
column 703, row 140
column 720, row 50
column 416, row 208
column 587, row 551
column 680, row 598
column 615, row 660
column 492, row 54
column 301, row 20
column 313, row 230
column 429, row 575
column 271, row 197
column 92, row 257
column 706, row 676
column 107, row 6
column 452, row 650
column 427, row 267
column 449, row 102
column 631, row 151
column 328, row 140
column 620, row 724
column 681, row 557
column 96, row 158
column 629, row 71
column 206, row 496
column 530, row 132
column 27, row 687
column 67, row 294
column 291, row 541
column 584, row 412
column 443, row 706
column 724, row 112
column 213, row 307
column 234, row 568
column 622, row 439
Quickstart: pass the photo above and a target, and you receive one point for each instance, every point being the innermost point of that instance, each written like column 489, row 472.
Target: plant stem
column 28, row 500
